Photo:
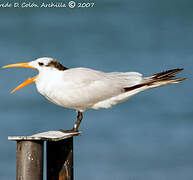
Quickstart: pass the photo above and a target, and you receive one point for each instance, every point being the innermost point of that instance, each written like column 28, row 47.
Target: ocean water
column 148, row 137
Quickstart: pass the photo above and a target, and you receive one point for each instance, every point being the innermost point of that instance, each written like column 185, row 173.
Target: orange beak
column 28, row 81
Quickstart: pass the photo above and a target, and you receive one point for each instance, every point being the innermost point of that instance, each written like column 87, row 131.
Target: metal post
column 59, row 155
column 29, row 160
column 60, row 159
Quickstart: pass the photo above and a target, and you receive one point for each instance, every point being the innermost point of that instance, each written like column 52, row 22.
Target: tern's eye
column 41, row 64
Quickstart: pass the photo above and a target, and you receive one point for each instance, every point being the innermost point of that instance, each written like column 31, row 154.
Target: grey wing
column 95, row 84
column 98, row 85
column 127, row 79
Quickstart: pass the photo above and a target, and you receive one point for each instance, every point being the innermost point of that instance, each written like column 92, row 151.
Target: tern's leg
column 76, row 125
column 79, row 119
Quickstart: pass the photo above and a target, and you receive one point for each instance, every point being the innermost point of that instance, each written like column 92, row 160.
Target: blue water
column 149, row 137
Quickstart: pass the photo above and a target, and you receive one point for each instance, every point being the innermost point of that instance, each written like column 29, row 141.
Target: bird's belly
column 83, row 98
column 69, row 98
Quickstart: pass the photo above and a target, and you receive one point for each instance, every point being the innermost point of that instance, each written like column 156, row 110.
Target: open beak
column 28, row 81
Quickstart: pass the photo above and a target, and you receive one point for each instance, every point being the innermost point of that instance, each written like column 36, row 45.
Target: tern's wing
column 127, row 78
column 96, row 86
column 85, row 77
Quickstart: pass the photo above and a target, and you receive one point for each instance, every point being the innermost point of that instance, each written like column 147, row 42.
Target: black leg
column 76, row 125
column 79, row 119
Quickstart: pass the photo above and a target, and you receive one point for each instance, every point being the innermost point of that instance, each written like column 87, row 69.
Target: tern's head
column 47, row 63
column 41, row 64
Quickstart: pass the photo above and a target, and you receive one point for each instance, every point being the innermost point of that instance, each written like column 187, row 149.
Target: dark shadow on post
column 60, row 160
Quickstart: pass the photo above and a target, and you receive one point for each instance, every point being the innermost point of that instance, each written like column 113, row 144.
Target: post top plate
column 45, row 136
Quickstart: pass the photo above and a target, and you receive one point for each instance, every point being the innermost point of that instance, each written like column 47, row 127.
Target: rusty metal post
column 29, row 160
column 60, row 159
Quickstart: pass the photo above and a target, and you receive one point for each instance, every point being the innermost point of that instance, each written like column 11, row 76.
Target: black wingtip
column 182, row 79
column 167, row 74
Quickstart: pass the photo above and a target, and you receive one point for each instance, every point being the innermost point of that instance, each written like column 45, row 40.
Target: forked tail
column 157, row 80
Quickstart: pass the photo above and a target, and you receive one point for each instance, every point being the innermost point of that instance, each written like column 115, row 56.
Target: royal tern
column 84, row 88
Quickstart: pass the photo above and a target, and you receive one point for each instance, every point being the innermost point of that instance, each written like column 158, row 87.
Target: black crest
column 57, row 65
